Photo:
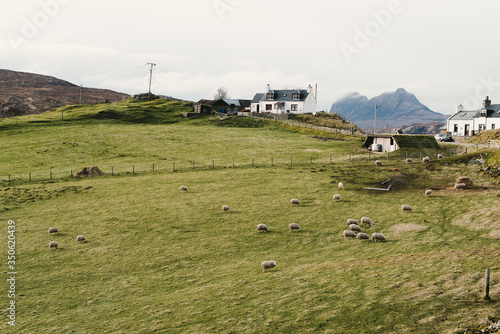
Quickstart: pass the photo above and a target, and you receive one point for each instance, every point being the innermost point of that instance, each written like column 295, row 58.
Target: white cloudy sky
column 446, row 52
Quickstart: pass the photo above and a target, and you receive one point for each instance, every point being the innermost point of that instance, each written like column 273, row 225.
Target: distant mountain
column 395, row 109
column 27, row 93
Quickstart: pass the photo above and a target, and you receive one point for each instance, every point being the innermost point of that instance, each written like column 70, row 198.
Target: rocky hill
column 394, row 109
column 27, row 93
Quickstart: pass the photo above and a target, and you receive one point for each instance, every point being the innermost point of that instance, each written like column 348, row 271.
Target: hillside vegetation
column 161, row 260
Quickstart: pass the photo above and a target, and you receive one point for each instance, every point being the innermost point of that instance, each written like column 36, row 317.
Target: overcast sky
column 445, row 52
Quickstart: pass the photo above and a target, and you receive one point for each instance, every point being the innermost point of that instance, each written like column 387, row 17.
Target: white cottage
column 468, row 123
column 292, row 101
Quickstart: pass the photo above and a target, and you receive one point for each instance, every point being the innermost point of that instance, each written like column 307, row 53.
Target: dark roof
column 282, row 95
column 471, row 114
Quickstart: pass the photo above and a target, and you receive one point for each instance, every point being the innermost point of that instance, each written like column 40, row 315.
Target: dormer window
column 270, row 95
column 296, row 95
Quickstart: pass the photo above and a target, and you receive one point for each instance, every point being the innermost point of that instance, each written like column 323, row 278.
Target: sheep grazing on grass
column 409, row 160
column 378, row 237
column 349, row 234
column 341, row 186
column 352, row 221
column 362, row 236
column 354, row 227
column 428, row 192
column 426, row 159
column 53, row 230
column 268, row 265
column 262, row 227
column 440, row 156
column 81, row 238
column 366, row 220
column 405, row 207
column 293, row 226
column 294, row 201
column 378, row 163
column 225, row 208
column 460, row 186
column 336, row 197
column 184, row 188
column 53, row 244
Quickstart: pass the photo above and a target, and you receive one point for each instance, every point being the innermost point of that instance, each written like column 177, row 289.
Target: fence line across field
column 207, row 164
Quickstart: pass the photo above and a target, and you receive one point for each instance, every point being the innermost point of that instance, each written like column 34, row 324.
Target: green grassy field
column 159, row 260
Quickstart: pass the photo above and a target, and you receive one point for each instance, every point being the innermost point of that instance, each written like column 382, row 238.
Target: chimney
column 486, row 102
column 268, row 88
column 460, row 108
column 309, row 89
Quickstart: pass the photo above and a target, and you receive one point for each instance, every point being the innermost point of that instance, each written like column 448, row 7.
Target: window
column 294, row 107
column 270, row 95
column 296, row 96
column 455, row 128
column 269, row 107
column 492, row 126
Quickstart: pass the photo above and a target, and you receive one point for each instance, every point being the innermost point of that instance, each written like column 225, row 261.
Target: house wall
column 310, row 104
column 287, row 106
column 388, row 144
column 461, row 127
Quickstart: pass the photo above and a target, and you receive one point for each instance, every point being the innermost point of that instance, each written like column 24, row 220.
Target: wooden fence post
column 487, row 285
column 173, row 166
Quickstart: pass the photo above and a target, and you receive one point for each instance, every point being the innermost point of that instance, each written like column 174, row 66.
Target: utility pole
column 81, row 87
column 150, row 78
column 375, row 123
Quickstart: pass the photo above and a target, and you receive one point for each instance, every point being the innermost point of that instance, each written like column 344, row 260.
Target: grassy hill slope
column 161, row 260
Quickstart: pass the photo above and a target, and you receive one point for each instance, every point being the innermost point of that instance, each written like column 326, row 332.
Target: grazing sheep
column 294, row 201
column 262, row 227
column 53, row 244
column 366, row 220
column 460, row 185
column 184, row 188
column 225, row 208
column 268, row 265
column 53, row 230
column 426, row 159
column 440, row 156
column 362, row 236
column 428, row 192
column 409, row 160
column 293, row 226
column 405, row 207
column 378, row 237
column 378, row 163
column 81, row 238
column 341, row 186
column 336, row 197
column 349, row 234
column 354, row 227
column 352, row 221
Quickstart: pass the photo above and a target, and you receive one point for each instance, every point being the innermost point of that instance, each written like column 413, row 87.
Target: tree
column 221, row 93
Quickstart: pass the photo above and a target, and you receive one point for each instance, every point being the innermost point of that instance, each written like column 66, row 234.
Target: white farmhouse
column 469, row 123
column 292, row 101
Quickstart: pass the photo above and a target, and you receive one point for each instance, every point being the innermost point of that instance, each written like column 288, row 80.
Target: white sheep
column 81, row 238
column 378, row 163
column 440, row 156
column 460, row 185
column 53, row 230
column 184, row 188
column 336, row 197
column 409, row 160
column 349, row 234
column 362, row 236
column 225, row 208
column 268, row 265
column 352, row 221
column 262, row 227
column 341, row 186
column 293, row 226
column 355, row 227
column 405, row 207
column 428, row 192
column 53, row 244
column 366, row 220
column 426, row 159
column 378, row 237
column 294, row 201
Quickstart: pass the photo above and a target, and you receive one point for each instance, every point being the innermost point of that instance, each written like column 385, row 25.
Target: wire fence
column 224, row 163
